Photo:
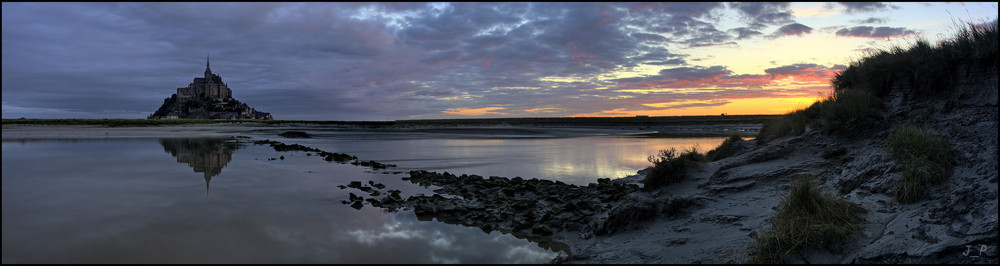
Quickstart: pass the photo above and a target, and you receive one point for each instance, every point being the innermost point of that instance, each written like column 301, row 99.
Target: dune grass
column 846, row 106
column 807, row 217
column 794, row 122
column 858, row 89
column 929, row 67
column 669, row 166
column 837, row 110
column 926, row 159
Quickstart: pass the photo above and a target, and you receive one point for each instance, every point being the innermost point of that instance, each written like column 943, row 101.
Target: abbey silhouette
column 206, row 98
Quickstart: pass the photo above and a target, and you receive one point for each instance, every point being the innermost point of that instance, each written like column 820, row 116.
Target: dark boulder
column 295, row 134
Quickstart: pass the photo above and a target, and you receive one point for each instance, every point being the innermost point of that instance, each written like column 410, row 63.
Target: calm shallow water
column 216, row 201
column 573, row 160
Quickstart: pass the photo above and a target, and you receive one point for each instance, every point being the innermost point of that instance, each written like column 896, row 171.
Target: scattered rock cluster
column 532, row 208
column 295, row 134
column 328, row 156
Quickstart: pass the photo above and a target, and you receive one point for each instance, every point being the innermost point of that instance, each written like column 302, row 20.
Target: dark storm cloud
column 872, row 20
column 694, row 73
column 744, row 33
column 710, row 37
column 676, row 26
column 647, row 37
column 547, row 39
column 456, row 22
column 358, row 61
column 691, row 9
column 792, row 29
column 675, row 61
column 146, row 50
column 874, row 32
column 761, row 14
column 656, row 55
column 579, row 39
column 590, row 37
column 401, row 6
column 667, row 75
column 858, row 7
column 684, row 23
column 325, row 57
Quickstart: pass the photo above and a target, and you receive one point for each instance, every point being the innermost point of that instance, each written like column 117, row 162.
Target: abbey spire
column 208, row 70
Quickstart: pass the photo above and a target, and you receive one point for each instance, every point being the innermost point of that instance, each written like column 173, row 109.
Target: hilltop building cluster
column 207, row 98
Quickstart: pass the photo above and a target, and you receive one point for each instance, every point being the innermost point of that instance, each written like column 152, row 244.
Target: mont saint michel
column 206, row 98
column 500, row 133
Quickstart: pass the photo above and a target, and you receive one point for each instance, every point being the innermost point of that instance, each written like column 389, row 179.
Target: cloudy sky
column 389, row 61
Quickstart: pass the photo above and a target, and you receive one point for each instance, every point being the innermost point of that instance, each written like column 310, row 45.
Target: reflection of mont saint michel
column 206, row 98
column 207, row 156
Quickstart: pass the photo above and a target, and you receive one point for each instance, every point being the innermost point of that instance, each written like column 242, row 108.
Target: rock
column 628, row 212
column 676, row 205
column 830, row 153
column 541, row 229
column 534, row 207
column 295, row 134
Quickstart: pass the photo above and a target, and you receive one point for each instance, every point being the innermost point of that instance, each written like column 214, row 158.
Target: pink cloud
column 805, row 72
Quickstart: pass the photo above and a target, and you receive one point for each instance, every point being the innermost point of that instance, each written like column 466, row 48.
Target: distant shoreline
column 533, row 121
column 667, row 126
column 41, row 131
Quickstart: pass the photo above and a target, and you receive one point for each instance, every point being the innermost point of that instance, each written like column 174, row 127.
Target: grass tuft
column 837, row 110
column 794, row 122
column 845, row 107
column 807, row 217
column 724, row 150
column 670, row 167
column 926, row 159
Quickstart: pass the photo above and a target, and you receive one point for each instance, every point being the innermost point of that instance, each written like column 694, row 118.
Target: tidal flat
column 206, row 193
